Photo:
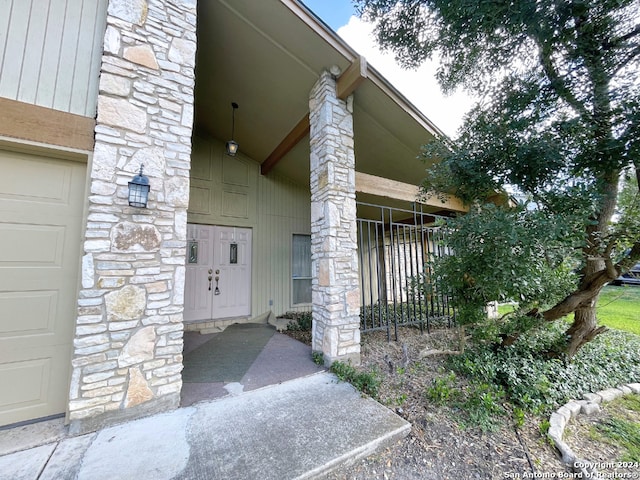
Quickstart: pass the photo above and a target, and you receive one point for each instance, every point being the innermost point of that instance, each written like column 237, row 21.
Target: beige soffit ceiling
column 266, row 55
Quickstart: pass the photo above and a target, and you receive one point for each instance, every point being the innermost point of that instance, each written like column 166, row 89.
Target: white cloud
column 419, row 86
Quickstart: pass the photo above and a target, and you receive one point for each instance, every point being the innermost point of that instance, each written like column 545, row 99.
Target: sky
column 419, row 86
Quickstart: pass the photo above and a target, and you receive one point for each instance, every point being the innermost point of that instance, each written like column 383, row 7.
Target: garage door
column 41, row 202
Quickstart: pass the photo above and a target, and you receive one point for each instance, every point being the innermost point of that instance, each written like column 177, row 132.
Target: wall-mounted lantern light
column 232, row 146
column 139, row 190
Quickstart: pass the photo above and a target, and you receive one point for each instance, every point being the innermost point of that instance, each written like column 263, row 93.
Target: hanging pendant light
column 232, row 146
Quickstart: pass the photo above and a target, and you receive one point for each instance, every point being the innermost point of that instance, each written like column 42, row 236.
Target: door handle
column 217, row 290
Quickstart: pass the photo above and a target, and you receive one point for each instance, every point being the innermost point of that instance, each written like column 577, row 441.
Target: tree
column 558, row 120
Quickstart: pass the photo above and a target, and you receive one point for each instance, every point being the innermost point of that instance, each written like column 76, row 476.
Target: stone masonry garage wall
column 128, row 344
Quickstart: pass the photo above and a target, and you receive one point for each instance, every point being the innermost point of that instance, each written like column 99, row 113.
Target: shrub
column 476, row 405
column 365, row 382
column 300, row 321
column 538, row 383
column 481, row 406
column 318, row 358
column 442, row 389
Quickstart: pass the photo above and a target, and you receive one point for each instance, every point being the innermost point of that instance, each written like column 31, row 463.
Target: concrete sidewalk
column 302, row 428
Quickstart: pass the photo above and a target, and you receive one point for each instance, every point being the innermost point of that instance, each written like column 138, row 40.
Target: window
column 301, row 269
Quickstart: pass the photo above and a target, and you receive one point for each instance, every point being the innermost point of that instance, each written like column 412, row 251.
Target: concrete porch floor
column 282, row 359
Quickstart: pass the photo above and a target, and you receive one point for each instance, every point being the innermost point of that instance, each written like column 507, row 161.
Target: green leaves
column 557, row 123
column 537, row 383
column 557, row 82
column 365, row 382
column 504, row 254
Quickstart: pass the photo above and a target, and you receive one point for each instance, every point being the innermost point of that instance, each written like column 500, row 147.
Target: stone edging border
column 587, row 406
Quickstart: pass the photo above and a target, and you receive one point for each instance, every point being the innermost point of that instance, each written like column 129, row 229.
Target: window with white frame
column 301, row 270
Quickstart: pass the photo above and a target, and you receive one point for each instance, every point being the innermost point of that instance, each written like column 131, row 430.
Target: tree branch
column 624, row 62
column 630, row 260
column 557, row 82
column 591, row 286
column 623, row 38
column 611, row 268
column 588, row 291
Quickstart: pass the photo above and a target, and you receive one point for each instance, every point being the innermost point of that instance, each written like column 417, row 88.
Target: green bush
column 318, row 358
column 481, row 405
column 475, row 405
column 536, row 382
column 300, row 321
column 442, row 389
column 365, row 382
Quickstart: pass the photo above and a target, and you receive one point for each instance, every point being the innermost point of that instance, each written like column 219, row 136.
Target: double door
column 218, row 272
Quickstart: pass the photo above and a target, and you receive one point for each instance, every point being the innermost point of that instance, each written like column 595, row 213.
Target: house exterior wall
column 284, row 210
column 230, row 191
column 128, row 342
column 49, row 70
column 223, row 189
column 51, row 56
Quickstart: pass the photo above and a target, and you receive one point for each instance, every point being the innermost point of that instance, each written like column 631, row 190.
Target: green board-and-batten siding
column 50, row 52
column 230, row 191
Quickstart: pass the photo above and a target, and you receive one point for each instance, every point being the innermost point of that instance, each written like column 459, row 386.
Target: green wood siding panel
column 50, row 52
column 34, row 44
column 277, row 208
column 284, row 210
column 14, row 47
column 5, row 8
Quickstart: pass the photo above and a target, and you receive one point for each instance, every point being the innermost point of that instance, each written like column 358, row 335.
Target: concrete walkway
column 302, row 428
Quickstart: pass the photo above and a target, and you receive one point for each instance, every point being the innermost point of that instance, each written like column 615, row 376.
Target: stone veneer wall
column 128, row 344
column 335, row 288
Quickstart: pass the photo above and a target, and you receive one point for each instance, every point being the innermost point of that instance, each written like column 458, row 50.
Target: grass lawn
column 618, row 307
column 620, row 428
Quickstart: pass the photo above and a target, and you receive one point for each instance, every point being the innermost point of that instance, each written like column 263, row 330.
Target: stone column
column 128, row 342
column 336, row 293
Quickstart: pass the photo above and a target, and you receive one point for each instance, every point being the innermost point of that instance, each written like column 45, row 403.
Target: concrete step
column 299, row 429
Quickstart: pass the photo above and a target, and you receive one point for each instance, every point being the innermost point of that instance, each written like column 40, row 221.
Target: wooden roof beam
column 385, row 187
column 300, row 131
column 347, row 83
column 351, row 78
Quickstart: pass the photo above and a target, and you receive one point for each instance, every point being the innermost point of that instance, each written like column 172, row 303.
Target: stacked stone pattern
column 128, row 341
column 335, row 287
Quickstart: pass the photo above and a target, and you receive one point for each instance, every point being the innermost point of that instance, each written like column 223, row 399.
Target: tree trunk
column 583, row 329
column 585, row 323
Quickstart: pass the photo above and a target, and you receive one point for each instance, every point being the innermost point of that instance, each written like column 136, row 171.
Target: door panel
column 233, row 297
column 197, row 295
column 217, row 285
column 41, row 202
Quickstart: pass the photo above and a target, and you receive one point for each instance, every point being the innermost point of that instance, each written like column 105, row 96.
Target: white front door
column 218, row 277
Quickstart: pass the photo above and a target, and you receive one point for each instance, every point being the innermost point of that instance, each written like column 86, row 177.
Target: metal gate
column 396, row 249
